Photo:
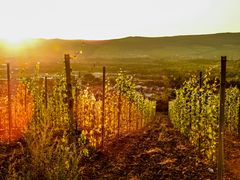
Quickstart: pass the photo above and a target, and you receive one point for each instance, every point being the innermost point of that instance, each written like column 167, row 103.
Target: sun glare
column 16, row 42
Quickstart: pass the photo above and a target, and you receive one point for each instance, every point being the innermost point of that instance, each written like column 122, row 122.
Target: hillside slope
column 176, row 47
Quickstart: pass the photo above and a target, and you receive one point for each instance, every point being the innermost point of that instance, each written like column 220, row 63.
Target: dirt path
column 232, row 157
column 157, row 152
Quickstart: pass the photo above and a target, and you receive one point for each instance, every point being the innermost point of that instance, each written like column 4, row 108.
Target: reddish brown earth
column 232, row 157
column 157, row 151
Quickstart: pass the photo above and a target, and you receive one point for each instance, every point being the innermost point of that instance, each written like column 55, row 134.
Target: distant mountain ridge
column 209, row 46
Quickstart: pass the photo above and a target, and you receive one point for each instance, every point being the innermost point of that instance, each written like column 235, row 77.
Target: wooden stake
column 103, row 106
column 130, row 116
column 200, row 111
column 45, row 92
column 9, row 103
column 76, row 106
column 25, row 98
column 69, row 92
column 119, row 113
column 239, row 119
column 220, row 162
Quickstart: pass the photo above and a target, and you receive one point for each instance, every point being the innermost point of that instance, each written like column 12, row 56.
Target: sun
column 14, row 39
column 16, row 42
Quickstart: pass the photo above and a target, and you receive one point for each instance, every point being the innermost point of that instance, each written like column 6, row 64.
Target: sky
column 107, row 19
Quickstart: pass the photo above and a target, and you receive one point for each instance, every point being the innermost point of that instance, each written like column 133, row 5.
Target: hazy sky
column 105, row 19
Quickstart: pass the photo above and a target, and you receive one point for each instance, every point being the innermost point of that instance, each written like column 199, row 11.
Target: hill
column 177, row 47
column 142, row 56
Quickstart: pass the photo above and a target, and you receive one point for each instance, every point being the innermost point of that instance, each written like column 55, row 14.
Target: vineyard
column 61, row 126
column 39, row 100
column 15, row 111
column 59, row 115
column 195, row 112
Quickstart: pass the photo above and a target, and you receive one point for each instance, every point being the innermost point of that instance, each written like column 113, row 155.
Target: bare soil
column 158, row 151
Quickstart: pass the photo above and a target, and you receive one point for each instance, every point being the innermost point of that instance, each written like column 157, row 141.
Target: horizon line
column 124, row 37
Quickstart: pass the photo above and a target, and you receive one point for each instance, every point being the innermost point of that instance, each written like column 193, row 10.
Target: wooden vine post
column 137, row 121
column 239, row 120
column 141, row 119
column 119, row 112
column 200, row 85
column 76, row 106
column 103, row 106
column 239, row 115
column 25, row 98
column 45, row 92
column 9, row 103
column 200, row 111
column 220, row 160
column 130, row 115
column 69, row 99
